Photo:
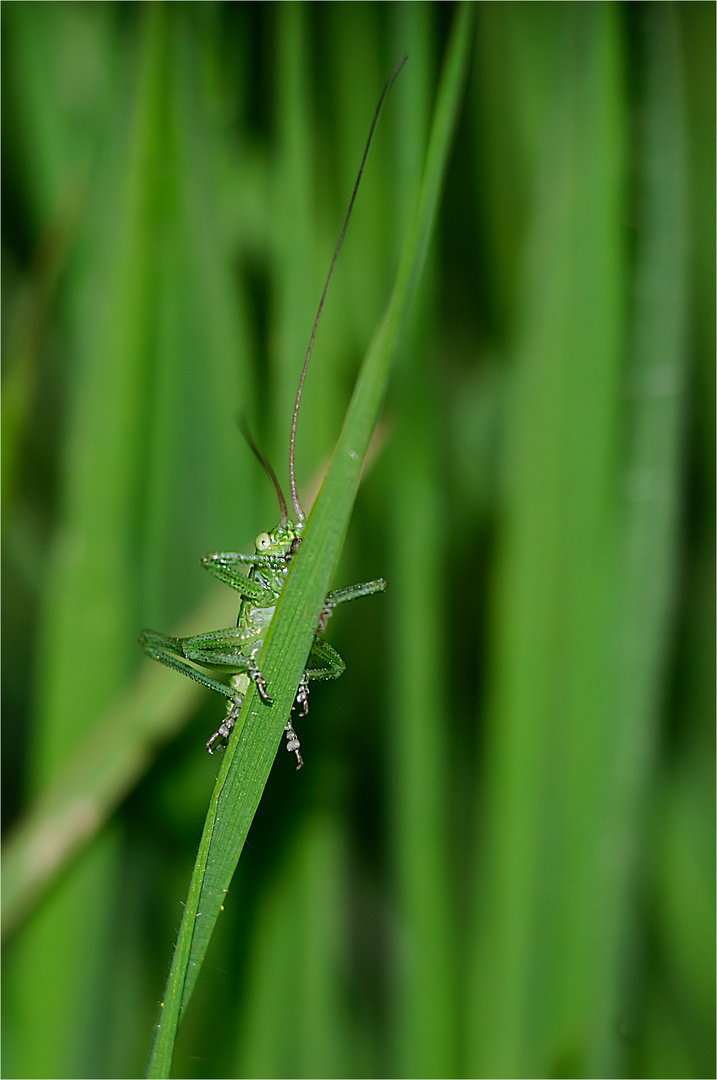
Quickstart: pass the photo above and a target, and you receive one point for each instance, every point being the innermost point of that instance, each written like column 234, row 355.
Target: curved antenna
column 292, row 472
column 267, row 469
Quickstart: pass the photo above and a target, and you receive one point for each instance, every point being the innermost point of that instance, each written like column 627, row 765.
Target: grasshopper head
column 283, row 540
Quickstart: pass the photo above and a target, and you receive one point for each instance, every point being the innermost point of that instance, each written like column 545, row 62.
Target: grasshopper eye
column 262, row 542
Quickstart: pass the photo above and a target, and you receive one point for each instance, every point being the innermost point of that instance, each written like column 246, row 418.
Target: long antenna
column 266, row 465
column 292, row 472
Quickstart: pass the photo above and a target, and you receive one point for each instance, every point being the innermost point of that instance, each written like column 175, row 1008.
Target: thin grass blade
column 251, row 753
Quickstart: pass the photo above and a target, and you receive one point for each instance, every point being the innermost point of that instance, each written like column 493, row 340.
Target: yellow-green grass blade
column 251, row 752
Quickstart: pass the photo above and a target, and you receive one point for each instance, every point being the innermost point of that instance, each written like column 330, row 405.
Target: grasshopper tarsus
column 302, row 696
column 221, row 735
column 254, row 673
column 293, row 745
column 261, row 687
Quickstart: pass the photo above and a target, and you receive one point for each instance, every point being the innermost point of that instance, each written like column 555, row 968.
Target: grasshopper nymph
column 234, row 651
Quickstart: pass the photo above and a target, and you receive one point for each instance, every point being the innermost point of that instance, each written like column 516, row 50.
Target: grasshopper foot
column 302, row 696
column 293, row 745
column 221, row 735
column 254, row 673
column 302, row 704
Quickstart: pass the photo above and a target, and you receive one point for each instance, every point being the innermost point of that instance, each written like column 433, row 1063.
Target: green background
column 499, row 858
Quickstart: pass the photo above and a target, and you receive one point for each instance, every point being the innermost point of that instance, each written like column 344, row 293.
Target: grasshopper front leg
column 342, row 596
column 229, row 566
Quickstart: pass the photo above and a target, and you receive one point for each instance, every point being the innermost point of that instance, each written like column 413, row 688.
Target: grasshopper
column 235, row 650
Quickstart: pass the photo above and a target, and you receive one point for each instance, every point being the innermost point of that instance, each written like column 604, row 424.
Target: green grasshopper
column 235, row 651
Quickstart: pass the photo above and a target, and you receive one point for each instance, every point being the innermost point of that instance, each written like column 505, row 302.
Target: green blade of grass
column 550, row 727
column 87, row 613
column 295, row 975
column 656, row 379
column 424, row 1021
column 250, row 755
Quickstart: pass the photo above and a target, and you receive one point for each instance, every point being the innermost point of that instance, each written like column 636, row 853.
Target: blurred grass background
column 499, row 860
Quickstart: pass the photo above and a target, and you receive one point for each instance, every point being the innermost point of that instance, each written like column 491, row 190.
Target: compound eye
column 263, row 542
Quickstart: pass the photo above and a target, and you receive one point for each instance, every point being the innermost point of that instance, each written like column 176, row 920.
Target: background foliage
column 498, row 860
